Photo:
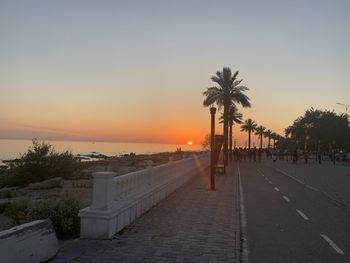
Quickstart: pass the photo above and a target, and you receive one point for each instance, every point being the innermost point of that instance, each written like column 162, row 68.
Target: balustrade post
column 103, row 190
column 150, row 173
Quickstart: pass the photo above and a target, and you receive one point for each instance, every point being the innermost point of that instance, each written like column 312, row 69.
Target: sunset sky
column 134, row 71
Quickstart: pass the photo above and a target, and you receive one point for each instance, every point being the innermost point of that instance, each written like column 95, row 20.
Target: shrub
column 42, row 162
column 17, row 211
column 12, row 180
column 62, row 212
column 4, row 207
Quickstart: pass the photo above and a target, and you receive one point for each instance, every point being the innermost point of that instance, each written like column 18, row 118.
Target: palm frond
column 236, row 82
column 241, row 99
column 241, row 88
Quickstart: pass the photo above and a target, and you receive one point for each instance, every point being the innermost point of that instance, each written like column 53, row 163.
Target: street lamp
column 346, row 107
column 212, row 147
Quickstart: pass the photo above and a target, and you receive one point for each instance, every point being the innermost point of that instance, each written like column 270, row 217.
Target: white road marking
column 332, row 244
column 277, row 189
column 270, row 182
column 302, row 214
column 283, row 172
column 312, row 188
column 286, row 198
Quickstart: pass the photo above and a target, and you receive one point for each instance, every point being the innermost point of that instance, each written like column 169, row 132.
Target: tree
column 267, row 134
column 324, row 130
column 42, row 162
column 260, row 132
column 233, row 117
column 228, row 91
column 249, row 126
column 274, row 137
column 206, row 143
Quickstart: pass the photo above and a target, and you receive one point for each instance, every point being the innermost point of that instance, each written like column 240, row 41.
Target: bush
column 17, row 211
column 4, row 207
column 12, row 180
column 42, row 162
column 62, row 212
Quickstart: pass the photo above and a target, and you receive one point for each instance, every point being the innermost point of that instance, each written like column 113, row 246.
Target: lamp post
column 212, row 146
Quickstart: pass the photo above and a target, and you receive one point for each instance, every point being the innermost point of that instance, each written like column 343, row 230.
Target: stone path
column 191, row 225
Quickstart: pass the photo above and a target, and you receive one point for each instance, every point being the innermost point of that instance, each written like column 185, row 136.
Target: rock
column 5, row 222
column 31, row 242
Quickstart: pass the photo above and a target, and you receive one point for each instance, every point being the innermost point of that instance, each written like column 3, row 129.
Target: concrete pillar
column 103, row 190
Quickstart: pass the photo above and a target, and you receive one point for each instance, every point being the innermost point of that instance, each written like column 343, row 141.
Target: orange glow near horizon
column 134, row 73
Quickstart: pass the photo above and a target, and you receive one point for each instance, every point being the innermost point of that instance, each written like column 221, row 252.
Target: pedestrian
column 306, row 156
column 274, row 158
column 259, row 154
column 295, row 156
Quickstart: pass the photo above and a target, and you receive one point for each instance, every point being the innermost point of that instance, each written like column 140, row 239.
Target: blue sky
column 106, row 69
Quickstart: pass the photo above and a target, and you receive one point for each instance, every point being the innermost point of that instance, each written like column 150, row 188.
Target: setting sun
column 189, row 143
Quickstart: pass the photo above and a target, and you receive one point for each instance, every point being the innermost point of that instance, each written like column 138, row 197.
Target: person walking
column 306, row 156
column 274, row 158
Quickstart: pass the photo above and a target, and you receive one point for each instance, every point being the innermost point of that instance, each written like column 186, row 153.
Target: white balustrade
column 119, row 200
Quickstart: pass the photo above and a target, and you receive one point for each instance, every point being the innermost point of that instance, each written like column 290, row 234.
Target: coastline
column 81, row 188
column 13, row 148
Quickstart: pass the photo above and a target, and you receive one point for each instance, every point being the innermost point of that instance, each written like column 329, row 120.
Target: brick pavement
column 191, row 225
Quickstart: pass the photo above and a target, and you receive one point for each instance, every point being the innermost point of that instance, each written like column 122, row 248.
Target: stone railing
column 118, row 201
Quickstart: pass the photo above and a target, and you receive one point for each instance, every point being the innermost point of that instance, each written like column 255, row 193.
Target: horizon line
column 94, row 141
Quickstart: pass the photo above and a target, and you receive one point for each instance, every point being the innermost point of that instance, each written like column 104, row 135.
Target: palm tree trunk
column 260, row 141
column 249, row 139
column 226, row 107
column 269, row 142
column 231, row 141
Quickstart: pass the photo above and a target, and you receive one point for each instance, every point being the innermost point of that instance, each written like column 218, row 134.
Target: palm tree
column 267, row 134
column 233, row 117
column 260, row 132
column 274, row 137
column 226, row 93
column 249, row 126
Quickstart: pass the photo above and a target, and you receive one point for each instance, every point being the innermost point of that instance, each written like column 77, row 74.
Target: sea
column 11, row 149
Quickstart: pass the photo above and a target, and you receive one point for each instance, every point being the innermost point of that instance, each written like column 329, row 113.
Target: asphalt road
column 289, row 222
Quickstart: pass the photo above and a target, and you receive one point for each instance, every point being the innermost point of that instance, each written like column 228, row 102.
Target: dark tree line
column 319, row 130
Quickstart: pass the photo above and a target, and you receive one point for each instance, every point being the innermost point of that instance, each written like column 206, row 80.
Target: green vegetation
column 227, row 93
column 40, row 162
column 233, row 117
column 268, row 134
column 322, row 130
column 249, row 126
column 62, row 212
column 260, row 131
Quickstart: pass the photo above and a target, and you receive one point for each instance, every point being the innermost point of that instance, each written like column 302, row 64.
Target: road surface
column 288, row 221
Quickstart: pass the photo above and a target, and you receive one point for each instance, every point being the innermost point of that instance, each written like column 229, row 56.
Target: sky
column 134, row 71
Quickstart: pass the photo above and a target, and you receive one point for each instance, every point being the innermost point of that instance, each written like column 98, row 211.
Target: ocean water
column 10, row 149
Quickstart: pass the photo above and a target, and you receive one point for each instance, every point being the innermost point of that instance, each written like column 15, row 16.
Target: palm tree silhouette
column 260, row 132
column 249, row 126
column 233, row 117
column 274, row 137
column 267, row 134
column 226, row 93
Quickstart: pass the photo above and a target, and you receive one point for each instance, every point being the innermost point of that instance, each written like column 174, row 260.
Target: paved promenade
column 191, row 225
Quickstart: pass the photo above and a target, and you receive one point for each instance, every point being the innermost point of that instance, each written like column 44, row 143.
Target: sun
column 189, row 143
